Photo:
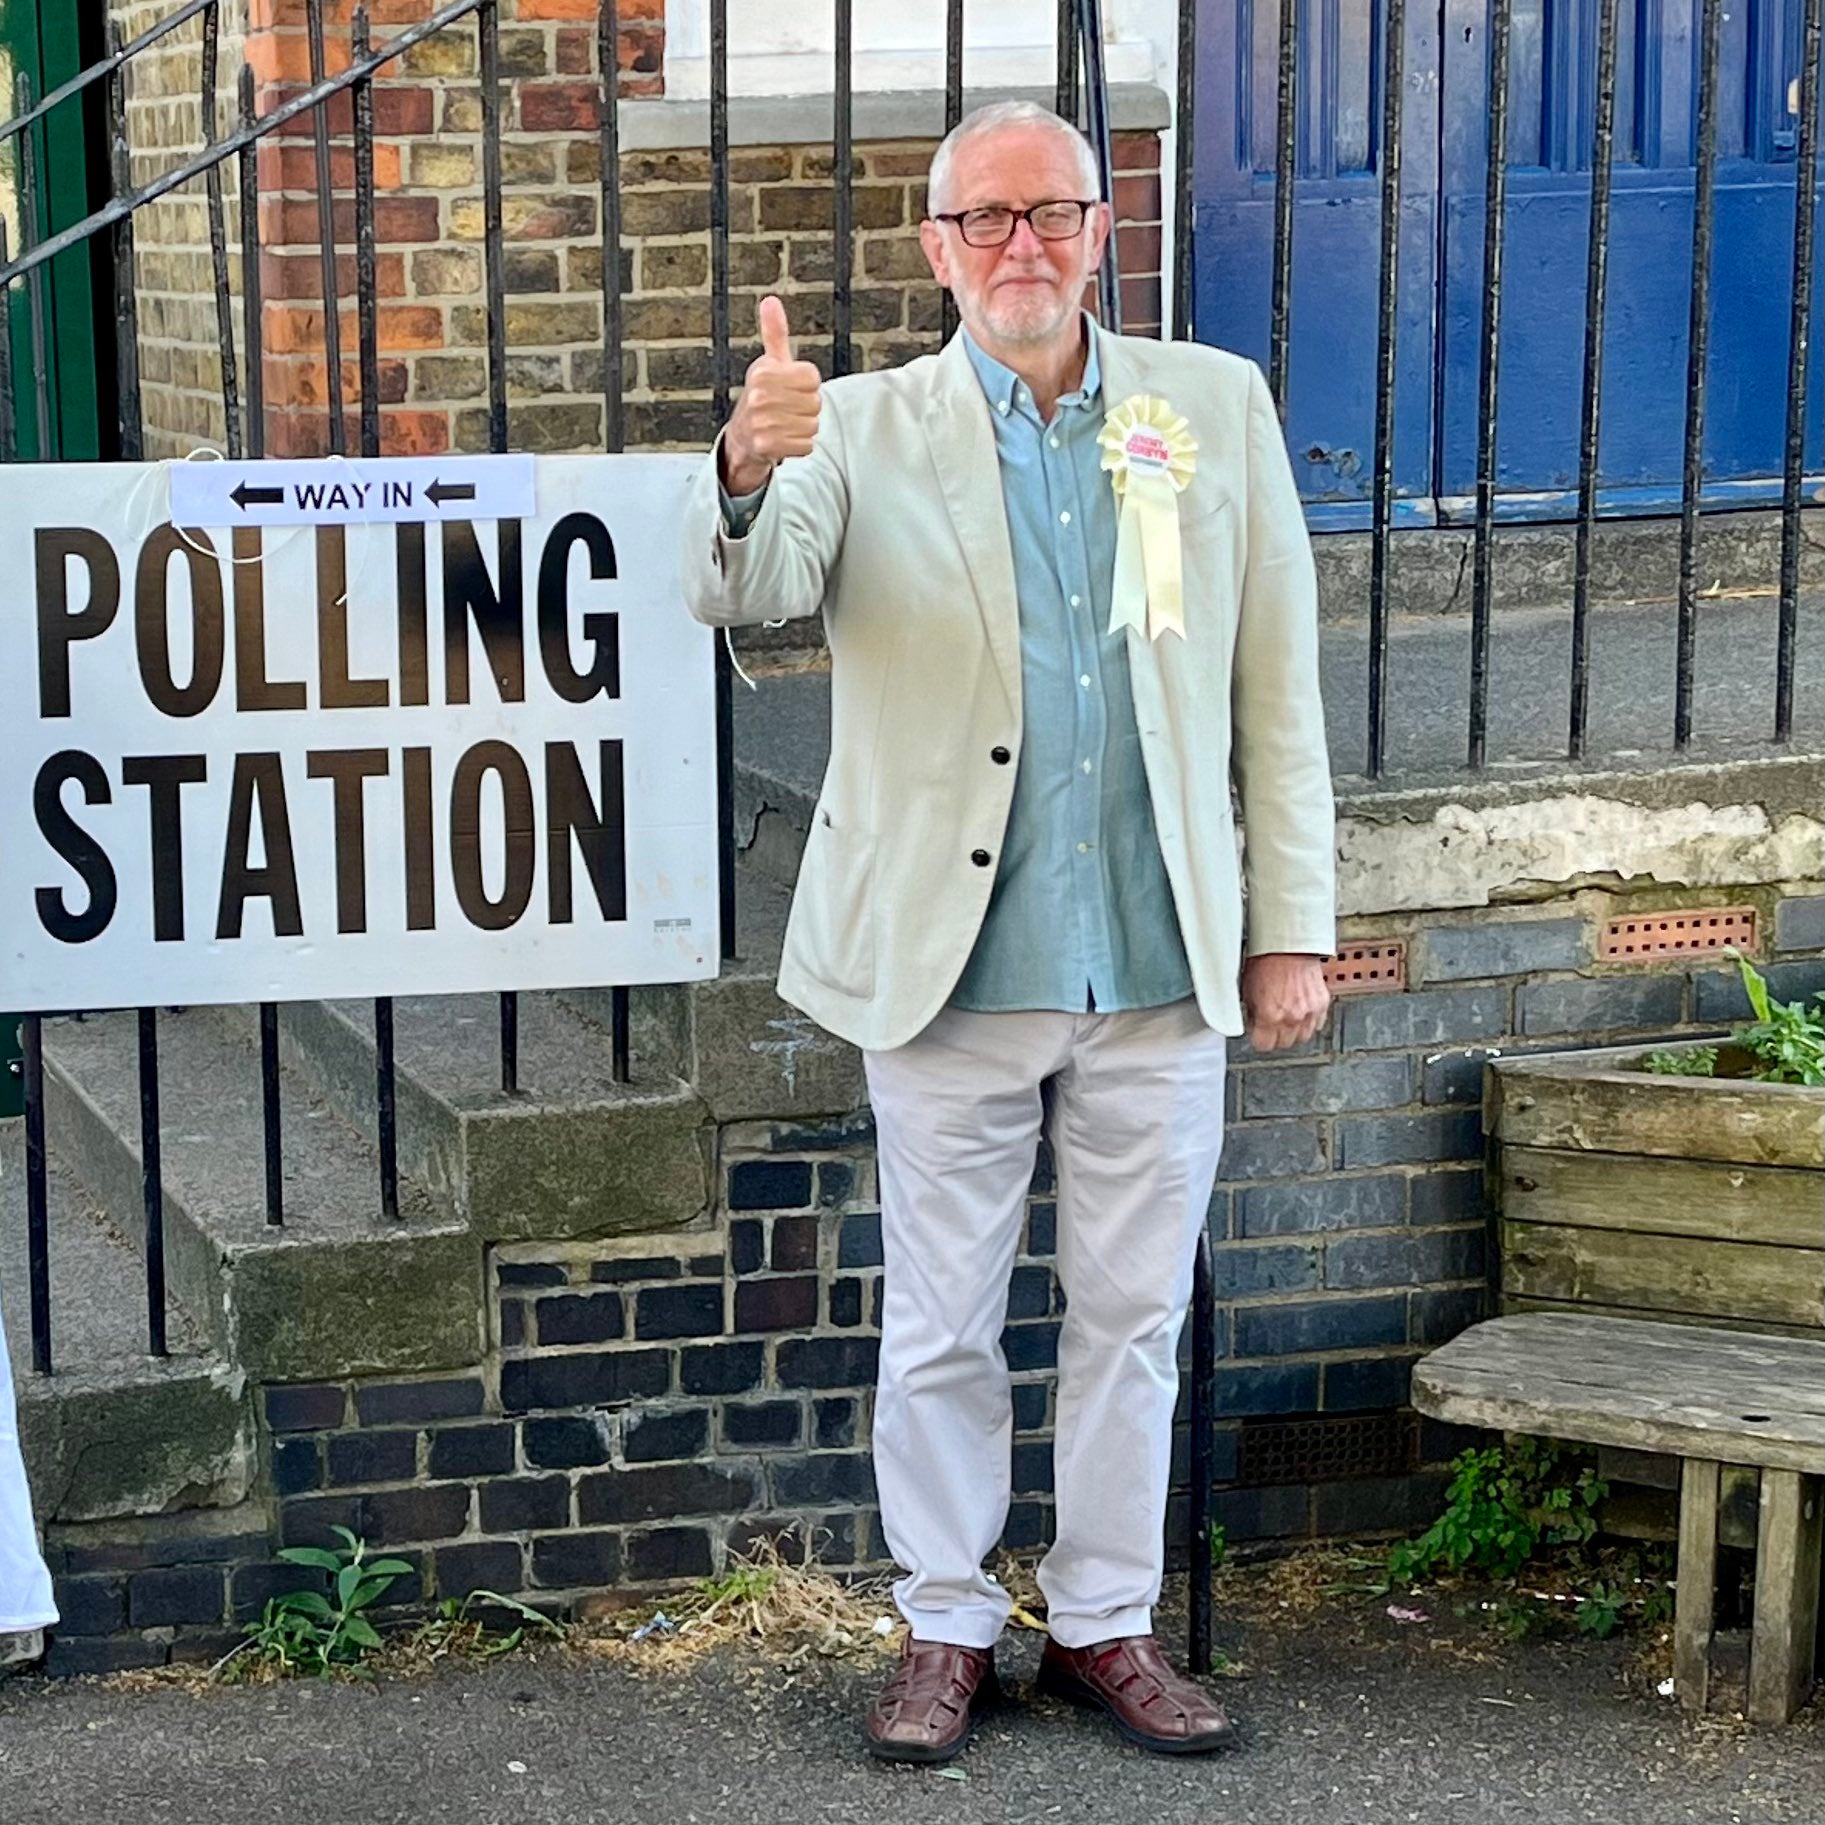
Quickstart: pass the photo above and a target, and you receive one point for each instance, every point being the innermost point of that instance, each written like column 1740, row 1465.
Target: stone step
column 743, row 1050
column 337, row 1290
column 111, row 1431
column 571, row 1153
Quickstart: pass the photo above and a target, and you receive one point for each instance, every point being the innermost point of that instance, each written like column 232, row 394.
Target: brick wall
column 652, row 1403
column 180, row 359
column 431, row 318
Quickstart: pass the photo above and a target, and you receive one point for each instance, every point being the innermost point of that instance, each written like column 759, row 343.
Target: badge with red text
column 1151, row 457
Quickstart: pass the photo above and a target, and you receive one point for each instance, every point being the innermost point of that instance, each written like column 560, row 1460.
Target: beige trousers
column 1136, row 1126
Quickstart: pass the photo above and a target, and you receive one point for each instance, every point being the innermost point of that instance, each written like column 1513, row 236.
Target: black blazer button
column 1000, row 756
column 980, row 857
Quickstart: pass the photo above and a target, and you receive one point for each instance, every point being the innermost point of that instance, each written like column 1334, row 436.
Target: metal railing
column 1081, row 91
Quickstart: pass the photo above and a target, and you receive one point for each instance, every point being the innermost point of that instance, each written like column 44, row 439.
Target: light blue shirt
column 1081, row 913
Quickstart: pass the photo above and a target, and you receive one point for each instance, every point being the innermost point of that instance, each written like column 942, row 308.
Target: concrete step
column 570, row 1154
column 743, row 1050
column 337, row 1290
column 782, row 730
column 111, row 1431
column 1532, row 567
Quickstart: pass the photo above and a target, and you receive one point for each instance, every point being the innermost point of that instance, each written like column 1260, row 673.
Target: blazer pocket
column 833, row 908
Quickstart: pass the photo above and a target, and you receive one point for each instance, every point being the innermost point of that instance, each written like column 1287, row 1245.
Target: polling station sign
column 271, row 753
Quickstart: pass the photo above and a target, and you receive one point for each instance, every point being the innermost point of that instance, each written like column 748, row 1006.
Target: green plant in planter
column 1786, row 1038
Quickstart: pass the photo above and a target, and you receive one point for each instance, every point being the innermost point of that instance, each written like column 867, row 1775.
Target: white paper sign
column 351, row 490
column 252, row 763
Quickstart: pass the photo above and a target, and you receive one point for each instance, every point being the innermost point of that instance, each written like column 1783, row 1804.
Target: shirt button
column 1083, row 849
column 980, row 857
column 1085, row 681
column 1087, row 767
column 1053, row 441
column 1000, row 756
column 1064, row 519
column 1001, row 405
column 1077, row 601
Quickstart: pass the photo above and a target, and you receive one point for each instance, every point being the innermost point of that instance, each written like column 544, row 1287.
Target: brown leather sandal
column 1145, row 1699
column 923, row 1713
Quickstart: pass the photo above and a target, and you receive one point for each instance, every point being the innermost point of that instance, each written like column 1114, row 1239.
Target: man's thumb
column 775, row 335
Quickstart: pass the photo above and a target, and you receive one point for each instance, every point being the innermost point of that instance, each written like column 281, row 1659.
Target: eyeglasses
column 1056, row 221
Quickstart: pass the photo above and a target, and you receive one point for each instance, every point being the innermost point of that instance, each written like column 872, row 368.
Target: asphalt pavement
column 1350, row 1717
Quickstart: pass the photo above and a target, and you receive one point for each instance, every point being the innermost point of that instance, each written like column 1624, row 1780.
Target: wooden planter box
column 1680, row 1198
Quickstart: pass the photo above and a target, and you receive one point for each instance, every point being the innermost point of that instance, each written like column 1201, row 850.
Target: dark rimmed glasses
column 1054, row 221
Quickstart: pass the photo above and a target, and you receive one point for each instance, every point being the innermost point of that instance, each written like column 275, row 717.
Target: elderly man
column 1021, row 876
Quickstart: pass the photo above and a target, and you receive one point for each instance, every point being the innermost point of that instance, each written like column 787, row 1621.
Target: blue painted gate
column 1336, row 230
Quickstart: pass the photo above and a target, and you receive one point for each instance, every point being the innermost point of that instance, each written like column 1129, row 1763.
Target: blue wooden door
column 1336, row 234
column 1445, row 108
column 1551, row 115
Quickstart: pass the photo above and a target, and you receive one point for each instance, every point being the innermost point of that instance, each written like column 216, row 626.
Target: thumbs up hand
column 778, row 411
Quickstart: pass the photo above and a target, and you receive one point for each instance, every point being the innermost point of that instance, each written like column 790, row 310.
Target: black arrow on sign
column 439, row 492
column 245, row 497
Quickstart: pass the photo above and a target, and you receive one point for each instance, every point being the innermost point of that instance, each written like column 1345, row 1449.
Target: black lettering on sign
column 75, row 845
column 500, row 758
column 152, row 627
column 414, row 623
column 499, row 618
column 58, row 629
column 603, row 678
column 340, row 691
column 253, row 690
column 258, row 778
column 421, row 870
column 599, row 826
column 165, row 775
column 347, row 768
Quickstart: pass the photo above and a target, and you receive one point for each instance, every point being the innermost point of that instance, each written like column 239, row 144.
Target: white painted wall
column 785, row 47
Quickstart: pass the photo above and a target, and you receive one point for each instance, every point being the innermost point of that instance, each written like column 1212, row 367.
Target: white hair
column 992, row 119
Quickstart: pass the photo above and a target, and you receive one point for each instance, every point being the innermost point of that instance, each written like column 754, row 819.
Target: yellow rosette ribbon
column 1151, row 457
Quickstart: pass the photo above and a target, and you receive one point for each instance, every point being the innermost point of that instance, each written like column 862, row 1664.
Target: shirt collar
column 999, row 381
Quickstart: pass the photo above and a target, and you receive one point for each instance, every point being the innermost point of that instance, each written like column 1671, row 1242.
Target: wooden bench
column 1710, row 1397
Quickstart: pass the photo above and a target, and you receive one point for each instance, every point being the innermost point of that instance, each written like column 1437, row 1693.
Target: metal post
column 1596, row 293
column 218, row 246
column 1184, row 161
column 719, row 343
column 326, row 235
column 1495, row 205
column 1203, row 1420
column 1698, row 340
column 1286, row 174
column 1393, row 76
column 152, row 1181
column 37, row 1192
column 842, row 159
column 1799, row 349
column 953, row 112
column 1096, row 107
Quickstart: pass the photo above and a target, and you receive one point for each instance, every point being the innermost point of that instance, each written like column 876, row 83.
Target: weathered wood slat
column 1664, row 1273
column 1695, row 1594
column 1713, row 1199
column 1786, row 1595
column 1519, row 1303
column 1721, row 1396
column 1574, row 1101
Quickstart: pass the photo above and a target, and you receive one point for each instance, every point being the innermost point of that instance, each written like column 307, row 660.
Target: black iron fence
column 1082, row 94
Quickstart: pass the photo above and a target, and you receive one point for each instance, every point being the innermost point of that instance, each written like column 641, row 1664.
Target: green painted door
column 48, row 42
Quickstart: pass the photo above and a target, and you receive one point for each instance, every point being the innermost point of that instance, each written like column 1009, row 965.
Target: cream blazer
column 893, row 529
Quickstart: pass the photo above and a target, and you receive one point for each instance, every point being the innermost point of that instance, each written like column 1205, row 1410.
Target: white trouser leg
column 1137, row 1125
column 957, row 1119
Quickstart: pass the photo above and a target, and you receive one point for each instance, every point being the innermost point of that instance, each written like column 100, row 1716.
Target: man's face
column 1024, row 292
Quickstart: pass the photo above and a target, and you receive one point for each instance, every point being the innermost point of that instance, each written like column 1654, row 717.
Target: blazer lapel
column 962, row 441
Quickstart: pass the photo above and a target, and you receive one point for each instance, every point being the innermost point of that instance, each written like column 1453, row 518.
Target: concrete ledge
column 798, row 120
column 1557, row 829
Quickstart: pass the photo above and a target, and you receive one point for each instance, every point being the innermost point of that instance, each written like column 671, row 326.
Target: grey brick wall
column 653, row 1404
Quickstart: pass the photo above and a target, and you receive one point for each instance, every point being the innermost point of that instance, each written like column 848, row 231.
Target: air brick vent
column 1322, row 1447
column 1677, row 934
column 1360, row 969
